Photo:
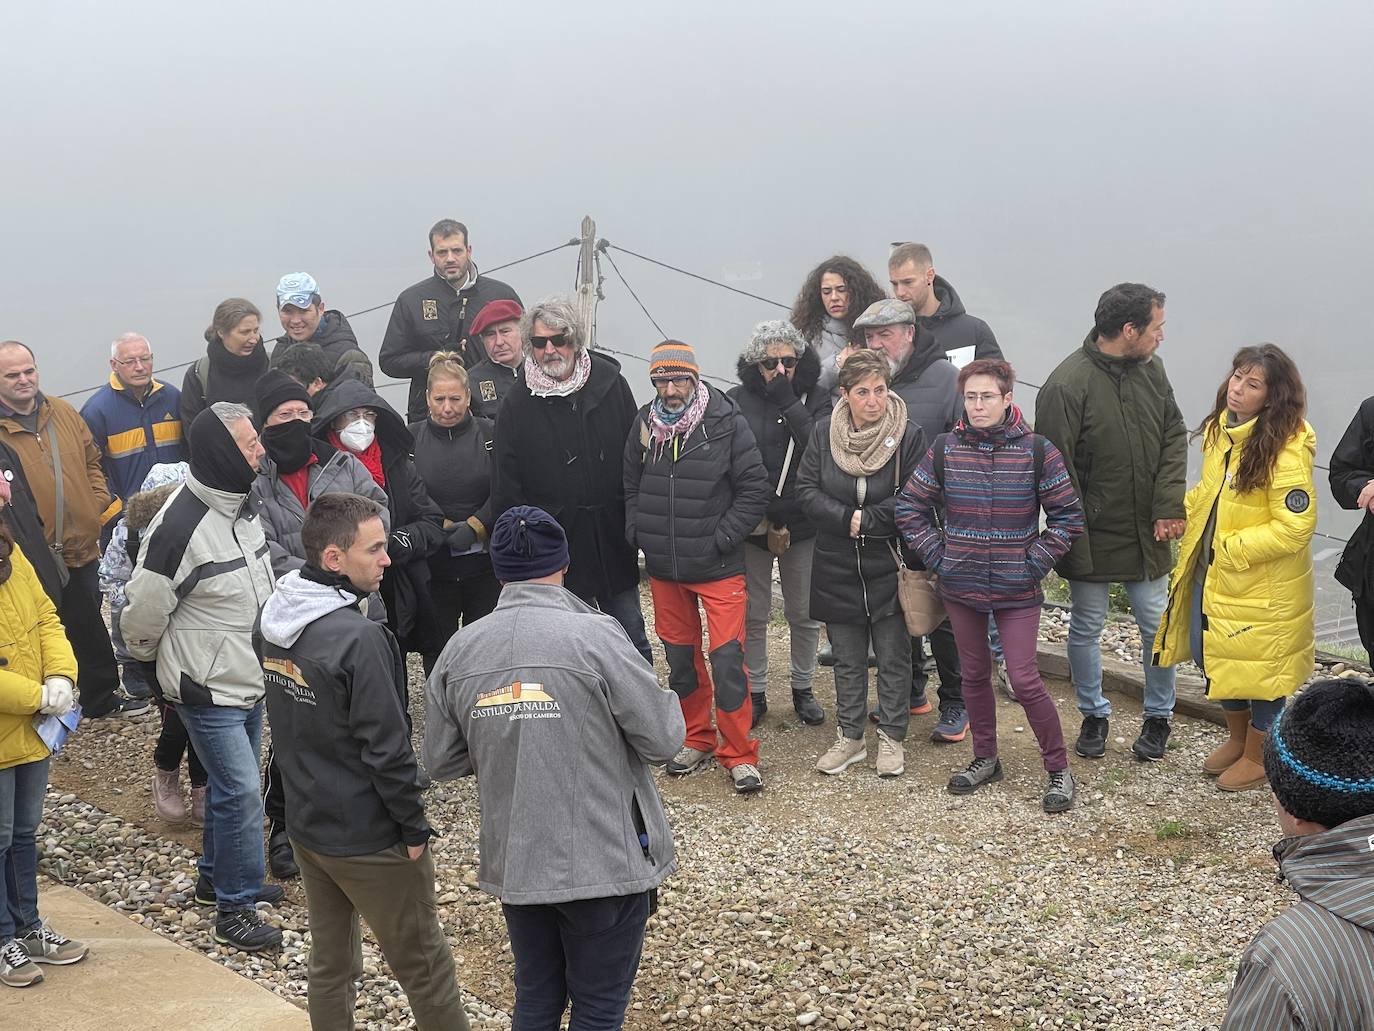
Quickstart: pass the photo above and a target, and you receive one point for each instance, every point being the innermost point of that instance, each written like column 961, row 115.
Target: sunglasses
column 773, row 363
column 538, row 343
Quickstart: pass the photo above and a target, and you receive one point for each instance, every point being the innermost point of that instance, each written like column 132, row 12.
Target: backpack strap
column 203, row 374
column 1038, row 452
column 937, row 455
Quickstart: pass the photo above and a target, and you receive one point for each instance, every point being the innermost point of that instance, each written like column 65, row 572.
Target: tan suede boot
column 1232, row 748
column 1248, row 771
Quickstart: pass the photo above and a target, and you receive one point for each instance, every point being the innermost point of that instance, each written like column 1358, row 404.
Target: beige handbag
column 918, row 594
column 779, row 537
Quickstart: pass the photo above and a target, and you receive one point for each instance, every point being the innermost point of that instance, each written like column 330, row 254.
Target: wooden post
column 586, row 280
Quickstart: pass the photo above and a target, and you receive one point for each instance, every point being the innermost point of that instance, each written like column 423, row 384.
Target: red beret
column 492, row 313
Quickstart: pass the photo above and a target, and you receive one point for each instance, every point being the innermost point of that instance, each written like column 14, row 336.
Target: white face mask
column 357, row 435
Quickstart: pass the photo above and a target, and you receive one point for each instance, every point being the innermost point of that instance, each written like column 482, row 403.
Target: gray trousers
column 892, row 646
column 395, row 895
column 794, row 569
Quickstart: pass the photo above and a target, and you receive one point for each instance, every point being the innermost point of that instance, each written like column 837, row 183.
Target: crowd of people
column 274, row 539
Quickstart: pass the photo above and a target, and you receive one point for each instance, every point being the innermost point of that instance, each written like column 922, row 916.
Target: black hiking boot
column 1092, row 739
column 808, row 709
column 759, row 701
column 244, row 929
column 1153, row 739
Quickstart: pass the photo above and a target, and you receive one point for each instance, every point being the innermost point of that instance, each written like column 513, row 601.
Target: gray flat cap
column 887, row 312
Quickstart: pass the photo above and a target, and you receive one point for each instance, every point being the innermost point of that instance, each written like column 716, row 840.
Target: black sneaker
column 280, row 858
column 1092, row 739
column 121, row 707
column 205, row 892
column 1153, row 739
column 244, row 929
column 759, row 704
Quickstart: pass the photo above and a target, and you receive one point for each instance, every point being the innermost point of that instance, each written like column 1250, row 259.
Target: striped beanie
column 673, row 358
column 1319, row 757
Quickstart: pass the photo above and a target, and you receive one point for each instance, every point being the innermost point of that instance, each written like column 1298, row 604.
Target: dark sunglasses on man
column 538, row 343
column 773, row 363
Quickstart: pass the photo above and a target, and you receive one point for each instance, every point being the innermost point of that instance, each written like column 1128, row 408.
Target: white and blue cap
column 297, row 288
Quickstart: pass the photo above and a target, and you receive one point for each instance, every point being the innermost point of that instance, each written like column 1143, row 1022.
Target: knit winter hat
column 774, row 331
column 1320, row 754
column 275, row 388
column 493, row 312
column 527, row 543
column 673, row 358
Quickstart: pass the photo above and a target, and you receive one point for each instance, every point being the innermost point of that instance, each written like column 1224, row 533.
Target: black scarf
column 288, row 444
column 216, row 460
column 234, row 377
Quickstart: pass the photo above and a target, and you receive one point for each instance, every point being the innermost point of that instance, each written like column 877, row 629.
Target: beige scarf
column 863, row 452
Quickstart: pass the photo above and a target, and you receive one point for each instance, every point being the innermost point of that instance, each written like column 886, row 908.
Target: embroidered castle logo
column 517, row 701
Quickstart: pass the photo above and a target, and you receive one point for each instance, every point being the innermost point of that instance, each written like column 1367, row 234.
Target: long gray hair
column 559, row 313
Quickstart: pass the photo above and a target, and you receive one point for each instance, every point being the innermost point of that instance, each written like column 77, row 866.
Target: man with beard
column 305, row 320
column 498, row 327
column 924, row 378
column 436, row 313
column 560, row 434
column 938, row 308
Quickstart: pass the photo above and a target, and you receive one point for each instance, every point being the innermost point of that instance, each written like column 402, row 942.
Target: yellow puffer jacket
column 1258, row 638
column 33, row 646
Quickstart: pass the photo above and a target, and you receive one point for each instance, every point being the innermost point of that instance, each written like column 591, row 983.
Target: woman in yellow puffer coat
column 1240, row 599
column 37, row 673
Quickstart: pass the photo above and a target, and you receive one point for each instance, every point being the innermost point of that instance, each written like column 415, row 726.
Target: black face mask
column 288, row 444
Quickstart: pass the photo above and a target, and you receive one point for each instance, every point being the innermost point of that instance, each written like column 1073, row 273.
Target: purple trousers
column 1019, row 629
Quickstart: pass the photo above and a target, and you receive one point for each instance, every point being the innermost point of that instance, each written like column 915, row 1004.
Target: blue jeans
column 626, row 609
column 1086, row 623
column 21, row 808
column 586, row 950
column 1262, row 713
column 228, row 741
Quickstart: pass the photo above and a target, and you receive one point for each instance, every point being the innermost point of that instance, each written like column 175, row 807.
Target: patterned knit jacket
column 988, row 548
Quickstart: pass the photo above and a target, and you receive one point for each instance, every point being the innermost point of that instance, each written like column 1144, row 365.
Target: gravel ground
column 845, row 902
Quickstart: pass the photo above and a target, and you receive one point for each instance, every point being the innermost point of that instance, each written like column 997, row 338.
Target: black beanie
column 274, row 388
column 527, row 543
column 1320, row 754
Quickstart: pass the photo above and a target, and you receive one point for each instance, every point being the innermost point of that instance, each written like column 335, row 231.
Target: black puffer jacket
column 339, row 344
column 26, row 526
column 455, row 465
column 417, row 525
column 929, row 385
column 691, row 503
column 854, row 580
column 955, row 328
column 565, row 455
column 775, row 426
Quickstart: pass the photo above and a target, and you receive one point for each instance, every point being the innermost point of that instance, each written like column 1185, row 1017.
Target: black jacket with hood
column 455, row 465
column 775, row 425
column 955, row 328
column 417, row 525
column 336, row 698
column 339, row 343
column 929, row 384
column 26, row 526
column 564, row 455
column 432, row 316
column 690, row 503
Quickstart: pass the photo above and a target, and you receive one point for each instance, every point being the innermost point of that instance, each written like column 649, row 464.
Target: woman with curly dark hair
column 835, row 293
column 1240, row 600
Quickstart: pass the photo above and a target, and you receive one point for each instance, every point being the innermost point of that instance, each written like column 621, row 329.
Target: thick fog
column 160, row 157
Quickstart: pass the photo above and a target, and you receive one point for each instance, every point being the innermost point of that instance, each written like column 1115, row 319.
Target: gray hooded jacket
column 559, row 716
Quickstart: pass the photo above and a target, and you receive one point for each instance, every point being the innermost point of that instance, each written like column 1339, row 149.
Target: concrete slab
column 136, row 978
column 1128, row 678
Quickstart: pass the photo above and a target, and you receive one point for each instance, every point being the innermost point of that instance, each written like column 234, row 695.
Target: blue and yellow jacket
column 133, row 435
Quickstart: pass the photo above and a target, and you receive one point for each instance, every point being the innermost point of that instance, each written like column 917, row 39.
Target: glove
column 399, row 548
column 779, row 391
column 58, row 697
column 461, row 538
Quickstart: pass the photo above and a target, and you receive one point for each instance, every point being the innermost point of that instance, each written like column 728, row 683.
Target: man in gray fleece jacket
column 550, row 705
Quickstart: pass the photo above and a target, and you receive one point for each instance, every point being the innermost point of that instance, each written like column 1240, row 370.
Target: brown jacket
column 85, row 495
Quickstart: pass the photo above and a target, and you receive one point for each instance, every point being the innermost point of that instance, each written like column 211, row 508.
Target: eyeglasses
column 301, row 414
column 138, row 359
column 681, row 382
column 538, row 343
column 773, row 363
column 361, row 413
column 983, row 399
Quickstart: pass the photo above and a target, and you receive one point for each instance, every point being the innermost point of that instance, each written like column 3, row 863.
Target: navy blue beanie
column 527, row 543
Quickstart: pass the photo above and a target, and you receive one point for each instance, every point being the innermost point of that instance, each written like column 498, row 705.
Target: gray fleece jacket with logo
column 557, row 714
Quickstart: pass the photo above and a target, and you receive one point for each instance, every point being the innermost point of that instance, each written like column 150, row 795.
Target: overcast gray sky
column 159, row 157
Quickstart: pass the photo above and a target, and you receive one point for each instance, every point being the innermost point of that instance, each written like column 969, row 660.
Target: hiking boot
column 121, row 707
column 1153, row 739
column 280, row 859
column 198, row 806
column 244, row 929
column 16, row 968
column 1059, row 793
column 746, row 778
column 758, row 701
column 953, row 725
column 167, row 796
column 687, row 760
column 843, row 754
column 1092, row 739
column 999, row 674
column 44, row 945
column 205, row 892
column 975, row 775
column 807, row 708
column 826, row 656
column 891, row 756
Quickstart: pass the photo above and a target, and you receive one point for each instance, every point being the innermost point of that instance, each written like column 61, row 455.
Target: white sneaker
column 746, row 778
column 891, row 757
column 843, row 754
